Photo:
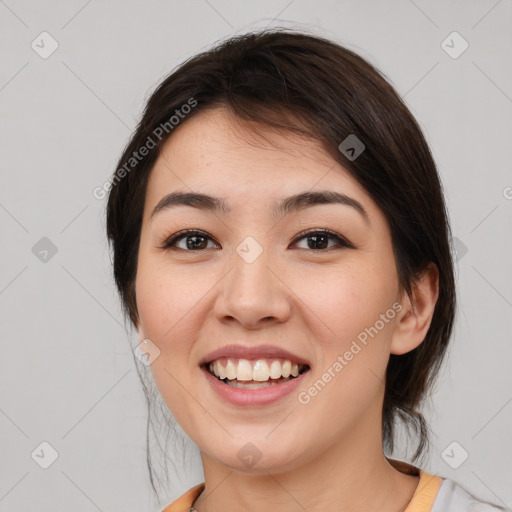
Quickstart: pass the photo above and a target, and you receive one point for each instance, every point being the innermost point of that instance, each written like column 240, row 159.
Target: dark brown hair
column 317, row 88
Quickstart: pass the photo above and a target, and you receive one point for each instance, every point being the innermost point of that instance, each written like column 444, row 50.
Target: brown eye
column 194, row 241
column 318, row 240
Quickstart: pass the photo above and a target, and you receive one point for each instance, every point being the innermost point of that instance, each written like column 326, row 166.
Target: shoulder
column 185, row 502
column 452, row 497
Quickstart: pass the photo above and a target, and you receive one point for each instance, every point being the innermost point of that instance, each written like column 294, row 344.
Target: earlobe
column 414, row 320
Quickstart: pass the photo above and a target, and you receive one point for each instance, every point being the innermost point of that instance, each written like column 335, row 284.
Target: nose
column 253, row 294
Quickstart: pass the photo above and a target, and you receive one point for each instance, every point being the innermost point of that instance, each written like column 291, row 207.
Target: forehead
column 214, row 153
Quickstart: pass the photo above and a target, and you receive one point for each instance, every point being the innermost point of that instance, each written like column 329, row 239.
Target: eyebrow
column 288, row 205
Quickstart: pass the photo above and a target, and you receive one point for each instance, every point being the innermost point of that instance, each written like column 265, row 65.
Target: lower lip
column 249, row 397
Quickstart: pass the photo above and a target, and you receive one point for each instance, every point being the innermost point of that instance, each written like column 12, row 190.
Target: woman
column 281, row 245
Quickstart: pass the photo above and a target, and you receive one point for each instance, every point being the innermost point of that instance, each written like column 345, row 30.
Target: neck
column 351, row 476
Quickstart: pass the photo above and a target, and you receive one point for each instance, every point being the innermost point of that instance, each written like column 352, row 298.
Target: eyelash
column 169, row 243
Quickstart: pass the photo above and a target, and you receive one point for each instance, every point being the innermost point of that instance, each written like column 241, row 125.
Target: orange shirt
column 422, row 501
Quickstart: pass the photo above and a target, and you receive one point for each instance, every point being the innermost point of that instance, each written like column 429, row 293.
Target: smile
column 255, row 374
column 247, row 375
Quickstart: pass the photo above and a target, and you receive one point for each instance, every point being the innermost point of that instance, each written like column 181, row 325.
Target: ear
column 413, row 321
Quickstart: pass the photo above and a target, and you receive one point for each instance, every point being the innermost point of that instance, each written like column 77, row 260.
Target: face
column 259, row 292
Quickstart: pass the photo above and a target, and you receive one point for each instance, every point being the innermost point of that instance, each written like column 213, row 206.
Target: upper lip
column 253, row 352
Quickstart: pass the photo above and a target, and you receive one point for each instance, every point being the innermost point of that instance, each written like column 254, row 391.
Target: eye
column 196, row 240
column 320, row 238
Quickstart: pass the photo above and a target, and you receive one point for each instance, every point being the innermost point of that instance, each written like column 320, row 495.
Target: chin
column 256, row 456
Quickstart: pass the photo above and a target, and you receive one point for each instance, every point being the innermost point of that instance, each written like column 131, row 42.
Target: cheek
column 173, row 304
column 352, row 316
column 167, row 299
column 345, row 302
column 358, row 307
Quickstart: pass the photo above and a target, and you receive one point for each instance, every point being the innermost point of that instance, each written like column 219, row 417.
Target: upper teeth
column 259, row 370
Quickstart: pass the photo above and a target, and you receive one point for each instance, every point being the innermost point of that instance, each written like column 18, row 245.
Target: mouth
column 254, row 373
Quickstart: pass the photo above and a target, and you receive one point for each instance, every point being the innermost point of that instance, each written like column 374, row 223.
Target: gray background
column 67, row 372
